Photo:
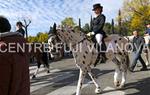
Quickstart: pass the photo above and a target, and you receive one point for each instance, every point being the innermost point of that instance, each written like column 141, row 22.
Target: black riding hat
column 95, row 6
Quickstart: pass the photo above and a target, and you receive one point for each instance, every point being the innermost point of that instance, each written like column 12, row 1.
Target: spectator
column 19, row 28
column 138, row 43
column 147, row 32
column 14, row 69
column 147, row 42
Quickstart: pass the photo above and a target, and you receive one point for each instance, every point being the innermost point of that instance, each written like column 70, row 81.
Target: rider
column 97, row 27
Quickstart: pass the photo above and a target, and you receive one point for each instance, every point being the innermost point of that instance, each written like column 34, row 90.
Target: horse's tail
column 127, row 62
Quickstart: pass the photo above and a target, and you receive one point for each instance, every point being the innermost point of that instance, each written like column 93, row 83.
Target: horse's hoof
column 98, row 90
column 121, row 86
column 33, row 76
column 117, row 84
column 48, row 71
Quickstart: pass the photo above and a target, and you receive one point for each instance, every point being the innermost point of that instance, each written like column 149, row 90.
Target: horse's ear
column 54, row 28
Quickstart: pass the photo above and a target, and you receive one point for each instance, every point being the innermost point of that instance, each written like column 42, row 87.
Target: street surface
column 62, row 80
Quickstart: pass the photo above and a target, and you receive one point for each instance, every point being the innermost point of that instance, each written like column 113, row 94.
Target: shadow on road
column 74, row 72
column 143, row 87
column 71, row 81
column 140, row 71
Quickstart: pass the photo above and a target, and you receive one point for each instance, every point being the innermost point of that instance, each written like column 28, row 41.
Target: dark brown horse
column 37, row 51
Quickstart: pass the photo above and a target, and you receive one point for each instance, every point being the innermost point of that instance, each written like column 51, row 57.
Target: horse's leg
column 124, row 74
column 47, row 67
column 52, row 56
column 44, row 61
column 116, row 77
column 98, row 89
column 80, row 81
column 36, row 72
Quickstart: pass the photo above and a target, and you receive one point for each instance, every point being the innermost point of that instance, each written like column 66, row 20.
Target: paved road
column 64, row 76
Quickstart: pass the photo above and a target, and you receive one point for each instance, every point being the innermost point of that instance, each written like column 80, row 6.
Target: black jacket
column 138, row 43
column 147, row 31
column 21, row 31
column 98, row 24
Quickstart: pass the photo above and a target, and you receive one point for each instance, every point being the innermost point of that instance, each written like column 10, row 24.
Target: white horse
column 54, row 52
column 85, row 55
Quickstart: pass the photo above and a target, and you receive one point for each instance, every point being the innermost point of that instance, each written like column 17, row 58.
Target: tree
column 107, row 28
column 40, row 37
column 26, row 25
column 50, row 30
column 77, row 28
column 68, row 21
column 136, row 13
column 112, row 26
column 32, row 39
column 86, row 28
column 91, row 25
column 79, row 23
column 119, row 22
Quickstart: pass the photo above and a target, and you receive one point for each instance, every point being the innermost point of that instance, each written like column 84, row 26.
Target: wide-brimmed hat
column 95, row 6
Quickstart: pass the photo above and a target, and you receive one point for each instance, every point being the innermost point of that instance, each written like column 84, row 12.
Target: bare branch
column 27, row 24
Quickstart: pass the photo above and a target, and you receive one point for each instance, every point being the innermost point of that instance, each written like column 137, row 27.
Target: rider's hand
column 90, row 33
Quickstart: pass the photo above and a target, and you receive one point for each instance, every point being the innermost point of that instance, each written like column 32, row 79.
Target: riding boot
column 103, row 52
column 103, row 58
column 97, row 60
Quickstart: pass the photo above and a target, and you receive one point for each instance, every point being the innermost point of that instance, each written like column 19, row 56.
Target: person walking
column 137, row 43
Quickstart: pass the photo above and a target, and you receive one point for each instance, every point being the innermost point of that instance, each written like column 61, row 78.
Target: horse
column 85, row 55
column 40, row 56
column 55, row 53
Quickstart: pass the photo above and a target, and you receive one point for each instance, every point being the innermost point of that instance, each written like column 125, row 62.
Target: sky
column 43, row 13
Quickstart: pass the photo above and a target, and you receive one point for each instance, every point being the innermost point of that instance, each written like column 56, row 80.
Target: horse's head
column 54, row 42
column 69, row 35
column 55, row 47
column 52, row 39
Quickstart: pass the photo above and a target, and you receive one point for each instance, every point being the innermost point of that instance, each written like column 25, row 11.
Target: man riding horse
column 97, row 30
